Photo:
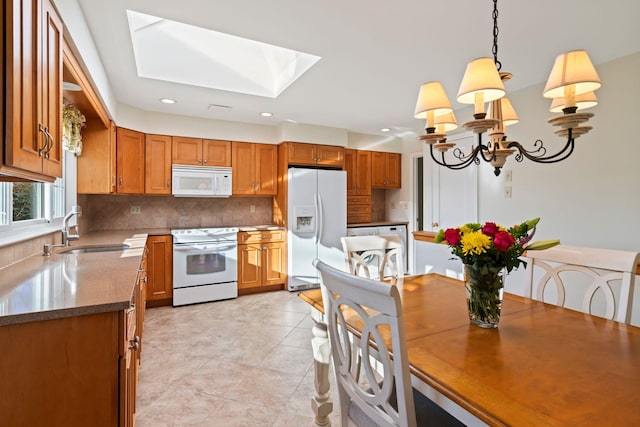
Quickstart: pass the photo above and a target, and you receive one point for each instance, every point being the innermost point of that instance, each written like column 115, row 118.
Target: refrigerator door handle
column 320, row 218
column 316, row 231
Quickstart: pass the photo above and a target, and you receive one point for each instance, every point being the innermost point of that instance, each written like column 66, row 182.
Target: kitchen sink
column 90, row 249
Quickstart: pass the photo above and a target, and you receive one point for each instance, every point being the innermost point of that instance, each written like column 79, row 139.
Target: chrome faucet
column 67, row 237
column 66, row 231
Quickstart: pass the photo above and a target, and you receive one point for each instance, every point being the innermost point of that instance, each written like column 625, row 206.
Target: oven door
column 197, row 264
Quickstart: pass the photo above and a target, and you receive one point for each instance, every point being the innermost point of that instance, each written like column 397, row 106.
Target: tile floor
column 234, row 363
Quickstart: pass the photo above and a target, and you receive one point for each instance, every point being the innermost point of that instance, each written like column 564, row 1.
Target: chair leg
column 321, row 401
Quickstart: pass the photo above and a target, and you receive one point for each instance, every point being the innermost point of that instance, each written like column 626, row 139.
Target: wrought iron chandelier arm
column 564, row 153
column 465, row 160
column 485, row 148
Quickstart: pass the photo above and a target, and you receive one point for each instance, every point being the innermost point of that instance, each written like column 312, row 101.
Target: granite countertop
column 377, row 224
column 260, row 227
column 73, row 284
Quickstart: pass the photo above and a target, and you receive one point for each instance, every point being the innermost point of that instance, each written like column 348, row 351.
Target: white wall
column 300, row 132
column 168, row 124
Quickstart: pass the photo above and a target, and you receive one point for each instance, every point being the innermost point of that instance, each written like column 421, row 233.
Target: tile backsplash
column 113, row 212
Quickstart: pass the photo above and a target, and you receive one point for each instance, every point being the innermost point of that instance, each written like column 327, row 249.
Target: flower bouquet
column 486, row 252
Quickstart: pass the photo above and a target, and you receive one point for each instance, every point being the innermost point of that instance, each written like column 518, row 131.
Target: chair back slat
column 373, row 257
column 601, row 268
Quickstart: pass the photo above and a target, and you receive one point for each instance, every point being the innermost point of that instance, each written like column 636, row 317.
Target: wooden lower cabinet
column 358, row 209
column 159, row 289
column 261, row 261
column 72, row 371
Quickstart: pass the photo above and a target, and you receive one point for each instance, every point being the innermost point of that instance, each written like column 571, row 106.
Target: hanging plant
column 72, row 122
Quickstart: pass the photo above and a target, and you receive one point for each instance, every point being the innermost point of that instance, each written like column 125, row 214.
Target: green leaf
column 542, row 244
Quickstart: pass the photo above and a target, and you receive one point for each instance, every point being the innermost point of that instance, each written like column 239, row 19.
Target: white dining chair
column 374, row 257
column 383, row 398
column 584, row 279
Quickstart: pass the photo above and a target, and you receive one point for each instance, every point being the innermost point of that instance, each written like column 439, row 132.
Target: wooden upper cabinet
column 394, row 170
column 302, row 154
column 358, row 167
column 130, row 161
column 243, row 164
column 330, row 155
column 96, row 167
column 187, row 151
column 266, row 169
column 386, row 170
column 97, row 164
column 254, row 169
column 201, row 152
column 157, row 166
column 216, row 153
column 33, row 98
column 351, row 169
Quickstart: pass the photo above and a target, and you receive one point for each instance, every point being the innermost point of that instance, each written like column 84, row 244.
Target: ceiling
column 375, row 55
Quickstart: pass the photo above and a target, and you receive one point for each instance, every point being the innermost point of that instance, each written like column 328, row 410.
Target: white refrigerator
column 317, row 218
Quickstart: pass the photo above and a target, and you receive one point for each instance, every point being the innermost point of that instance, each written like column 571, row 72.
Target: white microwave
column 200, row 181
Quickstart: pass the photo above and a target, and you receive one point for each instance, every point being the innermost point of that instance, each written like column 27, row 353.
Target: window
column 30, row 203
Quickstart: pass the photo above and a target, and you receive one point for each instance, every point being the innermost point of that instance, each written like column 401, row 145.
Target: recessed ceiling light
column 385, row 130
column 167, row 101
column 266, row 114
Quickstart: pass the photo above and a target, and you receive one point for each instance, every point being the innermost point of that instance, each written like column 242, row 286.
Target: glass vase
column 485, row 286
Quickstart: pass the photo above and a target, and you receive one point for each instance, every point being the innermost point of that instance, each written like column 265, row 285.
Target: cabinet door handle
column 51, row 142
column 46, row 140
column 120, row 181
column 49, row 145
column 168, row 184
column 205, row 161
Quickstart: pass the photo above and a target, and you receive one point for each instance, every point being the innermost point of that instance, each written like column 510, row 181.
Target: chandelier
column 571, row 86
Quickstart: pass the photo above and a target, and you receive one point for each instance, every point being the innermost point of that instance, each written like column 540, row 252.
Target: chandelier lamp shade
column 571, row 86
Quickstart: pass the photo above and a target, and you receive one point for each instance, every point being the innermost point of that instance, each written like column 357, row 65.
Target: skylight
column 181, row 53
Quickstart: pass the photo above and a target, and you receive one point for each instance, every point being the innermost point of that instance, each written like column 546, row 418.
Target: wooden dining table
column 543, row 366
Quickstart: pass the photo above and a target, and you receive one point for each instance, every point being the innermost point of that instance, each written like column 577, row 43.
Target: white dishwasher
column 381, row 230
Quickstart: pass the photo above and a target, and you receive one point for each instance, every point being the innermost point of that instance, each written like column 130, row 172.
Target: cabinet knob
column 134, row 343
column 168, row 183
column 435, row 224
column 120, row 181
column 205, row 161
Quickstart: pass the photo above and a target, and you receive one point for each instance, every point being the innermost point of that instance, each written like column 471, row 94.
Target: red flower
column 490, row 229
column 452, row 236
column 503, row 240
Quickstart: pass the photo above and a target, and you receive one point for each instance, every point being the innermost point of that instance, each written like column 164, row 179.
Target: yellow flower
column 464, row 229
column 475, row 243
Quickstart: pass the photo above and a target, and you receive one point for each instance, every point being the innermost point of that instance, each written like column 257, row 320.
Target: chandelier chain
column 495, row 35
